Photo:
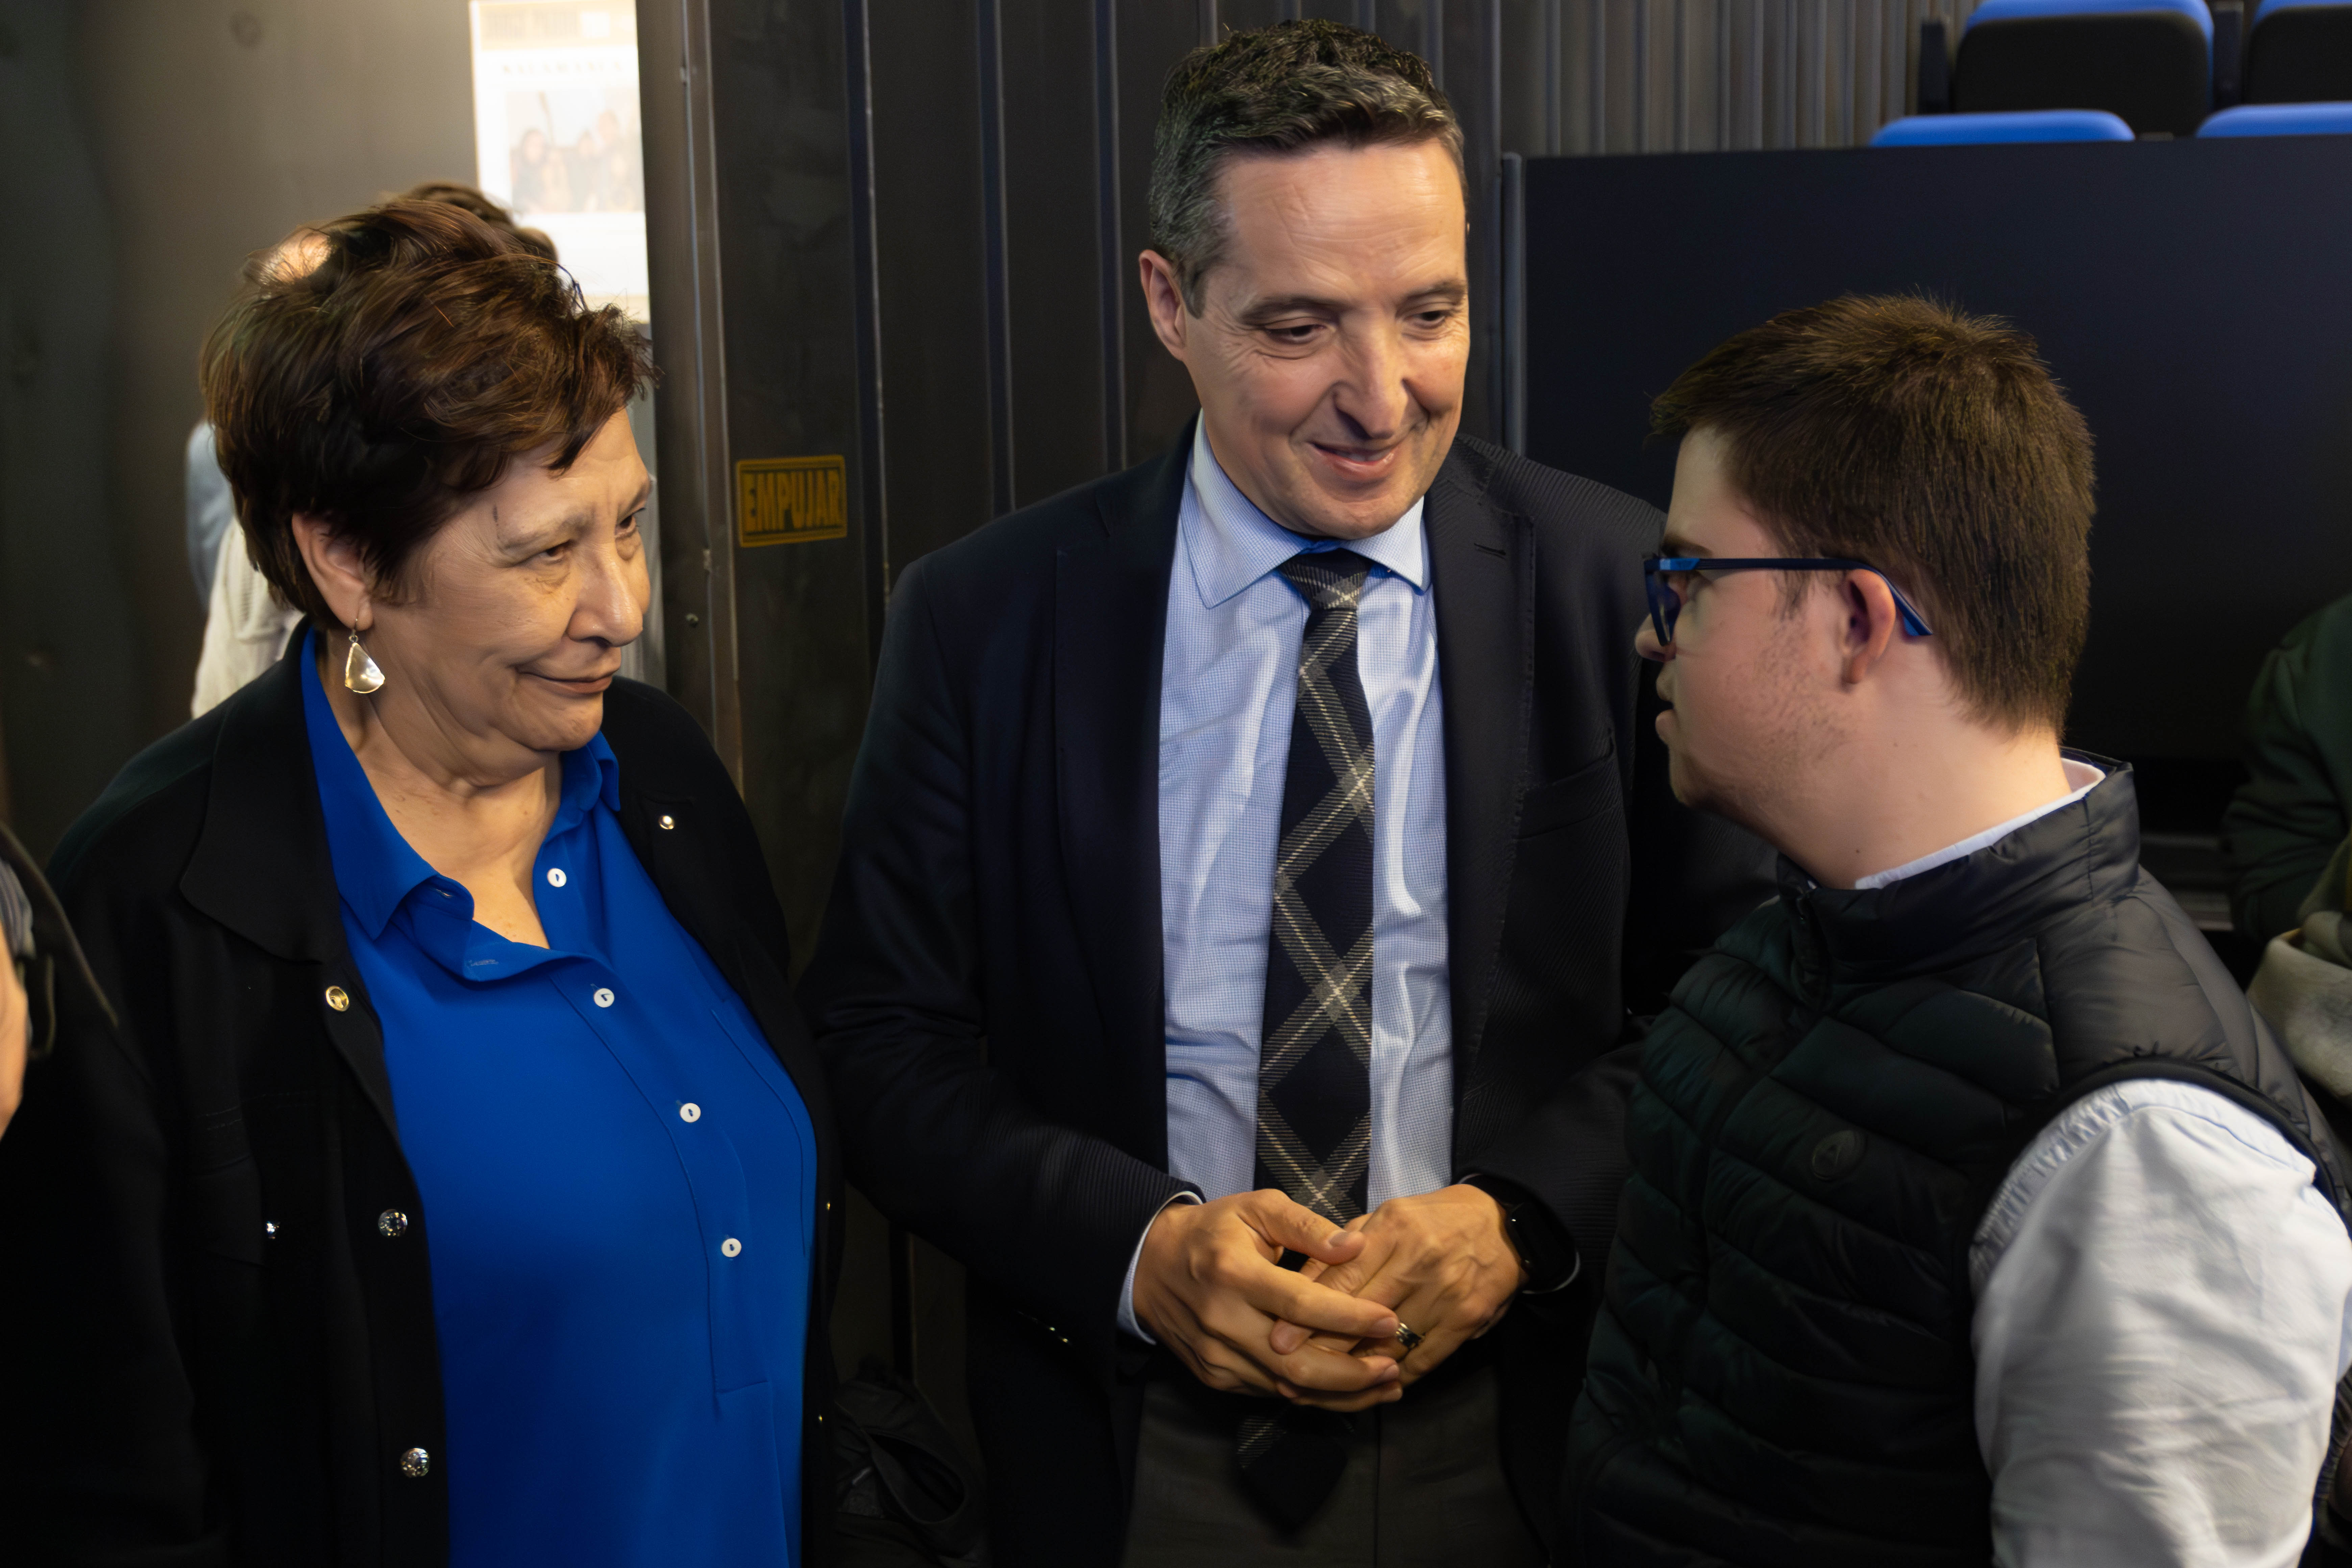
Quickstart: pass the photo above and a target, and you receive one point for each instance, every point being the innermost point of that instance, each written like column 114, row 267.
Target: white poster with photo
column 556, row 137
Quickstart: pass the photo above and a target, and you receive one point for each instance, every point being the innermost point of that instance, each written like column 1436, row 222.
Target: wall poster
column 557, row 136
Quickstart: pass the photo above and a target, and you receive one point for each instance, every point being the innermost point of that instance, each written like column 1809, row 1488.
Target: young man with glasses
column 1973, row 1216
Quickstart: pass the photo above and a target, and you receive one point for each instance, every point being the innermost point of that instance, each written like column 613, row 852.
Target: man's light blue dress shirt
column 617, row 1175
column 1228, row 684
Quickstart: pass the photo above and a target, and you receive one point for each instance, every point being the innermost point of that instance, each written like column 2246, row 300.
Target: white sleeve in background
column 245, row 627
column 2161, row 1319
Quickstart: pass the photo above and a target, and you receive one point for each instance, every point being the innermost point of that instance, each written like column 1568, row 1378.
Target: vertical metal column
column 1788, row 115
column 1555, row 141
column 690, row 415
column 873, row 476
column 1682, row 76
column 1722, row 142
column 994, row 282
column 1817, row 72
column 1511, row 421
column 1848, row 75
column 1596, row 68
column 1641, row 76
column 857, row 39
column 1492, row 317
column 1755, row 74
column 1108, row 241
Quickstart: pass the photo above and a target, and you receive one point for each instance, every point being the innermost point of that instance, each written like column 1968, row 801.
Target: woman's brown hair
column 377, row 370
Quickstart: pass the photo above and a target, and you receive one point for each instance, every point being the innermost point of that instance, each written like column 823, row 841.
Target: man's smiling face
column 1333, row 331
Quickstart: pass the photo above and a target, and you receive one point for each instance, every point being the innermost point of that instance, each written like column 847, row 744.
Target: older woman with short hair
column 456, row 1187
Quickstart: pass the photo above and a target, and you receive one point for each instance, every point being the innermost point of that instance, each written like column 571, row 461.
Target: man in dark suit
column 1237, row 874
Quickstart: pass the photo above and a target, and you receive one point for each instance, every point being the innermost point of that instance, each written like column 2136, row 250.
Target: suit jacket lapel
column 261, row 866
column 1482, row 569
column 1110, row 622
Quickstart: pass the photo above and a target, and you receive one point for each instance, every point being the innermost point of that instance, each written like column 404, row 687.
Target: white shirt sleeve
column 2161, row 1319
column 245, row 627
column 1127, row 1318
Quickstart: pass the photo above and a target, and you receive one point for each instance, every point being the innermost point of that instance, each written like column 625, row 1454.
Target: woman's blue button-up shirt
column 617, row 1176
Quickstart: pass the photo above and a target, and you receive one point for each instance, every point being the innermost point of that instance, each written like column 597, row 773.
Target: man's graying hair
column 1274, row 90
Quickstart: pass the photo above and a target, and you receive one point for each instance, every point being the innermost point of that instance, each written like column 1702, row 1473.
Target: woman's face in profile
column 510, row 626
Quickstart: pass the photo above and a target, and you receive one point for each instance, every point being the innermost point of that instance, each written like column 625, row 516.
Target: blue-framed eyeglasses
column 1658, row 572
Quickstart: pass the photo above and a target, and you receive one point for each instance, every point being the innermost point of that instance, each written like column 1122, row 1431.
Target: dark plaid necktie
column 1314, row 1047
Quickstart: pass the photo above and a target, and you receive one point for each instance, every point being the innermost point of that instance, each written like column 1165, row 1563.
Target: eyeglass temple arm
column 1913, row 621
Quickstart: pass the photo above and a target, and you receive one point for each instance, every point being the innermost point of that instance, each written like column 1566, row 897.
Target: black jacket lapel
column 262, row 868
column 1110, row 623
column 1482, row 569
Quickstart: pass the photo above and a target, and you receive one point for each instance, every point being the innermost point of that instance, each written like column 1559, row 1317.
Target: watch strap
column 1547, row 1254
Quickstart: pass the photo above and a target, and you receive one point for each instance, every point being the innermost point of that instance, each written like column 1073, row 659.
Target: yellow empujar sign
column 790, row 500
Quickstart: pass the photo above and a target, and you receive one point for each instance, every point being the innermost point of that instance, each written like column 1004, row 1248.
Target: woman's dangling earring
column 361, row 673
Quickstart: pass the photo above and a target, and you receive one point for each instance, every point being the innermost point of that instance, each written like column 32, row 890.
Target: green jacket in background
column 2288, row 817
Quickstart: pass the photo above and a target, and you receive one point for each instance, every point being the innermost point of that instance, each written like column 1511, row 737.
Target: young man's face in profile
column 1333, row 331
column 1743, row 679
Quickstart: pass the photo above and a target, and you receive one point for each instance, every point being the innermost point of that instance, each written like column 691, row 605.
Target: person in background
column 211, row 513
column 42, row 972
column 1973, row 1216
column 246, row 622
column 1245, row 855
column 460, row 1186
column 2296, row 806
column 621, row 174
column 16, row 1012
column 2304, row 987
column 536, row 175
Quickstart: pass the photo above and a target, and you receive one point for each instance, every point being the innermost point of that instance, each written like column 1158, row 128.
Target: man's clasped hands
column 1209, row 1284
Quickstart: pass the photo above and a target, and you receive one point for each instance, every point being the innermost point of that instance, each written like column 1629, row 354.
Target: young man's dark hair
column 1272, row 92
column 1933, row 445
column 1974, row 1216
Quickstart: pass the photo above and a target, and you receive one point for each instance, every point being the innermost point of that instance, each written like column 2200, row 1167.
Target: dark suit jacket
column 178, row 1387
column 987, row 986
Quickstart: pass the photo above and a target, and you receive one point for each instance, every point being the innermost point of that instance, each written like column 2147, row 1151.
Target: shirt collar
column 1231, row 543
column 2080, row 779
column 375, row 869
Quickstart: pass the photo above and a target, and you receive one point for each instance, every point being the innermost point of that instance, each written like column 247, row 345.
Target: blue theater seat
column 2300, row 52
column 1975, row 130
column 2280, row 119
column 2147, row 62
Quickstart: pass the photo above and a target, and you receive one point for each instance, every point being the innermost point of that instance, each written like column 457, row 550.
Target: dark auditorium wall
column 220, row 124
column 155, row 144
column 69, row 675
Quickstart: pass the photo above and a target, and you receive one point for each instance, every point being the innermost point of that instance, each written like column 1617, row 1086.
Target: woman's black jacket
column 210, row 1352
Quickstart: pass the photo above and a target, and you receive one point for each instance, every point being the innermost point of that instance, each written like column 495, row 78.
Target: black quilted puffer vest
column 1781, row 1374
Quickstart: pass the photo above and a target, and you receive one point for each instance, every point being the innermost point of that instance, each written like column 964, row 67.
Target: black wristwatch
column 1546, row 1252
